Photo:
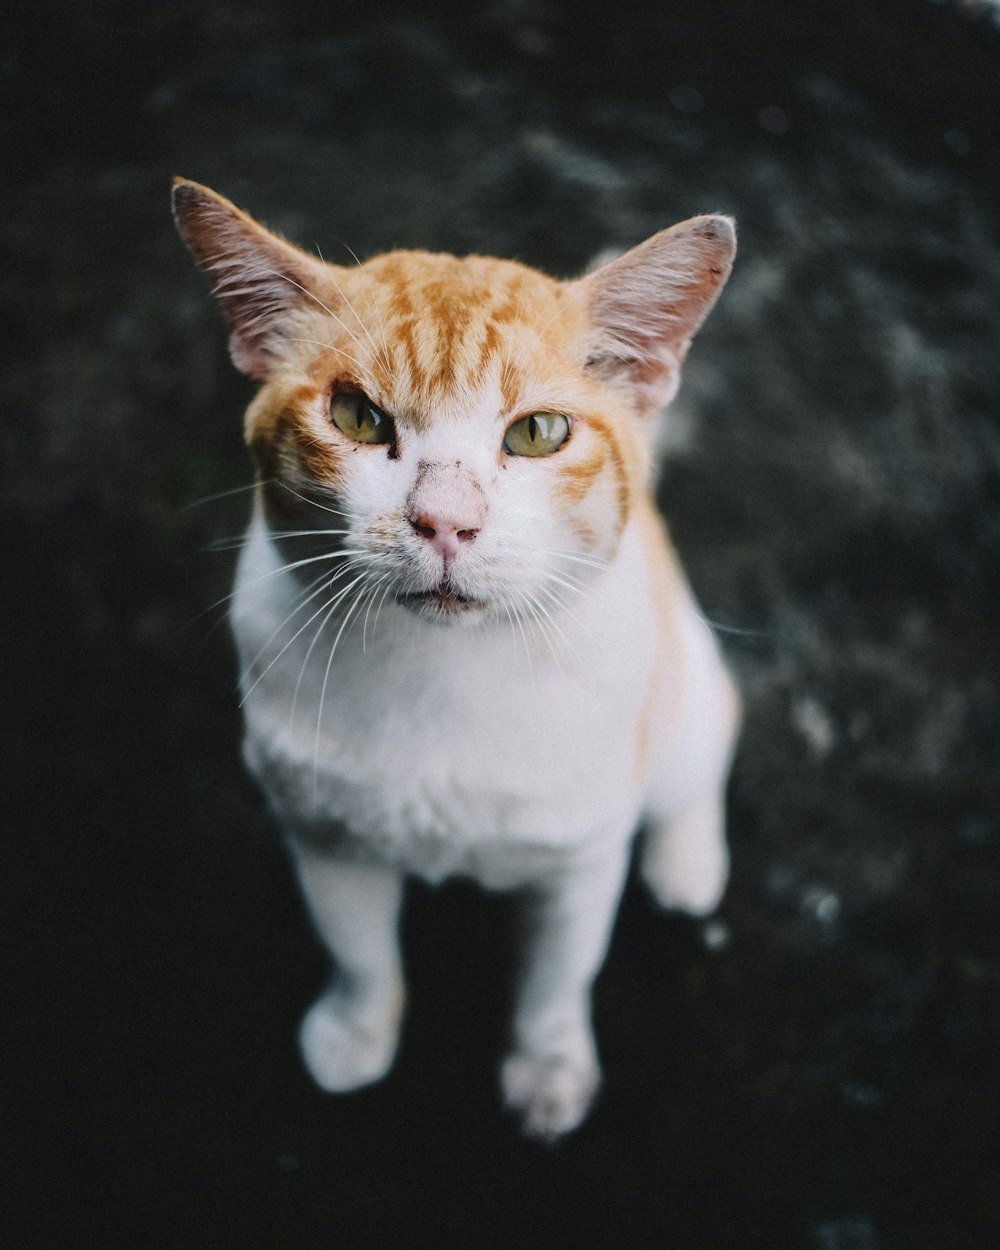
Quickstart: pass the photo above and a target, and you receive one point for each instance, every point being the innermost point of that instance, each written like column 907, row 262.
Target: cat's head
column 472, row 431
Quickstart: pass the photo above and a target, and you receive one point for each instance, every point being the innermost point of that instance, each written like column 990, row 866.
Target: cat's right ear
column 260, row 279
column 644, row 306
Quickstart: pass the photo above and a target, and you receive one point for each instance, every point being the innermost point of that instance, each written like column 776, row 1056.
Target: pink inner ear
column 259, row 279
column 645, row 306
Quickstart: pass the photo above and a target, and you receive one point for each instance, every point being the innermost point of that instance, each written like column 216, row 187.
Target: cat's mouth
column 443, row 600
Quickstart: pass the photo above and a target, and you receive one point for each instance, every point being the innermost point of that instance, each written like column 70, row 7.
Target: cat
column 466, row 644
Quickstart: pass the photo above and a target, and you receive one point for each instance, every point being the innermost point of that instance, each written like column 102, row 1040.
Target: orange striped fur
column 430, row 338
column 464, row 447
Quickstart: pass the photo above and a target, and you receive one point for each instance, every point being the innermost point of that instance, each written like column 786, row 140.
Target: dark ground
column 827, row 1080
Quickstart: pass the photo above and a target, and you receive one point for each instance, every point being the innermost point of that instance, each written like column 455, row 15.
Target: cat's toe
column 696, row 892
column 686, row 865
column 551, row 1094
column 342, row 1051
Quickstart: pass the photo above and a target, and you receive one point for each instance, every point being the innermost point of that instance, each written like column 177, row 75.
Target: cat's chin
column 445, row 606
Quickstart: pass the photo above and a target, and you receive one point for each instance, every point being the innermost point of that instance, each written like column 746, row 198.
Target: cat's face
column 444, row 412
column 470, row 433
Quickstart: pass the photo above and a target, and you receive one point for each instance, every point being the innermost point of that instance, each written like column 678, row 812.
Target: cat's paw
column 550, row 1093
column 685, row 864
column 344, row 1049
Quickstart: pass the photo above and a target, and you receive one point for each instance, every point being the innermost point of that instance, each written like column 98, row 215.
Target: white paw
column 686, row 866
column 343, row 1049
column 550, row 1093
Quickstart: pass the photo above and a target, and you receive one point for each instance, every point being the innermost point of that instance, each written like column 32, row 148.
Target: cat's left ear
column 644, row 306
column 261, row 280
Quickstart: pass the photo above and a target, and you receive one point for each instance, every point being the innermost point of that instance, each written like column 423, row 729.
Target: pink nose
column 446, row 506
column 445, row 534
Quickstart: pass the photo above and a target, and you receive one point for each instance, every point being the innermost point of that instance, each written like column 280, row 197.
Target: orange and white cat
column 466, row 644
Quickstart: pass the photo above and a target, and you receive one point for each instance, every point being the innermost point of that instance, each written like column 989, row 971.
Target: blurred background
column 817, row 1069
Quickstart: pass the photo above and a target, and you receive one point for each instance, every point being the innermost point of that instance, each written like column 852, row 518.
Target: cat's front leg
column 349, row 1035
column 685, row 860
column 552, row 1074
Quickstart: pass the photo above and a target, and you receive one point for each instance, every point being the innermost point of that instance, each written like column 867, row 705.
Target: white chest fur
column 446, row 749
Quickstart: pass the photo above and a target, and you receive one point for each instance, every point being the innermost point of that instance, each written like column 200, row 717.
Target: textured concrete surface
column 818, row 1068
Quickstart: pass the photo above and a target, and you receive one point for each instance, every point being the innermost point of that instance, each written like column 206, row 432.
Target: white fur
column 494, row 679
column 497, row 751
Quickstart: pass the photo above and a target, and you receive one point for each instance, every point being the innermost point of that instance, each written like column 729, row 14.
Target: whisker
column 524, row 637
column 557, row 607
column 285, row 568
column 329, row 608
column 733, row 629
column 361, row 323
column 347, row 355
column 559, row 602
column 312, row 502
column 346, row 568
column 234, row 542
column 378, row 316
column 274, row 273
column 570, row 585
column 560, row 606
column 513, row 631
column 538, row 332
column 326, row 676
column 316, row 587
column 381, row 602
column 543, row 624
column 353, row 254
column 299, row 601
column 222, row 494
column 577, row 557
column 371, row 601
column 372, row 303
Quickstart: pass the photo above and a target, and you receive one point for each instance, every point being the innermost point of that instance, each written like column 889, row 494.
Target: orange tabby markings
column 447, row 323
column 576, row 478
column 529, row 628
column 666, row 581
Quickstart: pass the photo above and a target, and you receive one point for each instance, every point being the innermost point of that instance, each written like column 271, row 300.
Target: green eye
column 356, row 416
column 538, row 435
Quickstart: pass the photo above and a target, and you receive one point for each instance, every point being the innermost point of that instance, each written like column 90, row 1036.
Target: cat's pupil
column 361, row 413
column 532, row 428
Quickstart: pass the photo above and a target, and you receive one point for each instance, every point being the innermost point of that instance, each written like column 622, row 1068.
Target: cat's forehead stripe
column 449, row 323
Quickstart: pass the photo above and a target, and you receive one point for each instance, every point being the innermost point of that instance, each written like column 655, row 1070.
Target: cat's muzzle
column 441, row 602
